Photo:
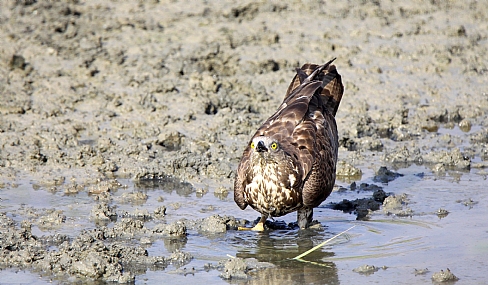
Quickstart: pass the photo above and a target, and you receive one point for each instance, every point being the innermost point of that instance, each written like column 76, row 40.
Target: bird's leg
column 304, row 217
column 259, row 227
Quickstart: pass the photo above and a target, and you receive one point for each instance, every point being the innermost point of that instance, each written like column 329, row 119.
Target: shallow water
column 397, row 245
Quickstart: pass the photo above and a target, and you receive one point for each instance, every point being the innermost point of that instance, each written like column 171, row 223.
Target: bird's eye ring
column 252, row 144
column 274, row 146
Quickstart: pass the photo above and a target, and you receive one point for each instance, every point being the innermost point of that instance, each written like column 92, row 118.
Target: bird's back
column 320, row 178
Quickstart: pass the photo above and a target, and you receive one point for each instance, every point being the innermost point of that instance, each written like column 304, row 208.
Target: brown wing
column 333, row 89
column 240, row 182
column 320, row 180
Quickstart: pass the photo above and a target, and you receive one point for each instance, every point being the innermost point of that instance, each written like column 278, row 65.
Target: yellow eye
column 252, row 144
column 274, row 146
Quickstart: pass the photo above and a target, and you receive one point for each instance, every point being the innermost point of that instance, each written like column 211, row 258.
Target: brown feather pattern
column 299, row 173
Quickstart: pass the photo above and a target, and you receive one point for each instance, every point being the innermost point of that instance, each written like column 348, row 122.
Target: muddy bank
column 154, row 90
column 167, row 93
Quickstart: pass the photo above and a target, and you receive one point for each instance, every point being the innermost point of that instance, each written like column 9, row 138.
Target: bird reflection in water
column 279, row 247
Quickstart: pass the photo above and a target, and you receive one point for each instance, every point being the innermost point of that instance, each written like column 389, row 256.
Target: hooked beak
column 260, row 147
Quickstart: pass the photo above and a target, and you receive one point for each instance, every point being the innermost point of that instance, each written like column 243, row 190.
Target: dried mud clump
column 51, row 219
column 177, row 229
column 347, row 170
column 240, row 268
column 103, row 213
column 213, row 224
column 397, row 205
column 367, row 269
column 453, row 158
column 402, row 154
column 444, row 277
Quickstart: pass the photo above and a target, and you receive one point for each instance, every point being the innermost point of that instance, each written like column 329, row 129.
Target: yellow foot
column 259, row 227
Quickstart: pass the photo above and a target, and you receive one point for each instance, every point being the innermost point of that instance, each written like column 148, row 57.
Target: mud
column 122, row 124
column 238, row 268
column 362, row 207
column 367, row 269
column 444, row 277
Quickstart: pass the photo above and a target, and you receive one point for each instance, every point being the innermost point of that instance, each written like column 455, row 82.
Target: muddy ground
column 105, row 102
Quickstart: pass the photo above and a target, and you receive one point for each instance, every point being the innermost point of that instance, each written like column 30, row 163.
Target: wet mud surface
column 121, row 126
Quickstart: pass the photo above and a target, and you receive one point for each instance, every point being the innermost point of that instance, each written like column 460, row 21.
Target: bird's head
column 265, row 147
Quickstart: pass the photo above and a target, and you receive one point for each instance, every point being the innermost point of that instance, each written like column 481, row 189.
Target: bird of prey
column 290, row 162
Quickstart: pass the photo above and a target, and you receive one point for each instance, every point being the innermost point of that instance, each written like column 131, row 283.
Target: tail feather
column 331, row 83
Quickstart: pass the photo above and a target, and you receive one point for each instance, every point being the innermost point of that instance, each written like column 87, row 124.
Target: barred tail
column 331, row 83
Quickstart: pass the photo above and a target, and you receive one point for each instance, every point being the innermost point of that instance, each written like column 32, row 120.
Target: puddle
column 396, row 246
column 16, row 276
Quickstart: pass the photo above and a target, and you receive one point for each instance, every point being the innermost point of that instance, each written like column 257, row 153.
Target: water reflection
column 174, row 244
column 279, row 247
column 167, row 184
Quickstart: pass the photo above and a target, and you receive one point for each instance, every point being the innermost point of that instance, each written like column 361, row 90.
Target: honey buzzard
column 290, row 162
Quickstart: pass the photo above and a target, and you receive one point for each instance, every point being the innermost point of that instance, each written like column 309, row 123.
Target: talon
column 259, row 227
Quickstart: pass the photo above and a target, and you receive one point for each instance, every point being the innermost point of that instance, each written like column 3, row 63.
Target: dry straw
column 299, row 257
